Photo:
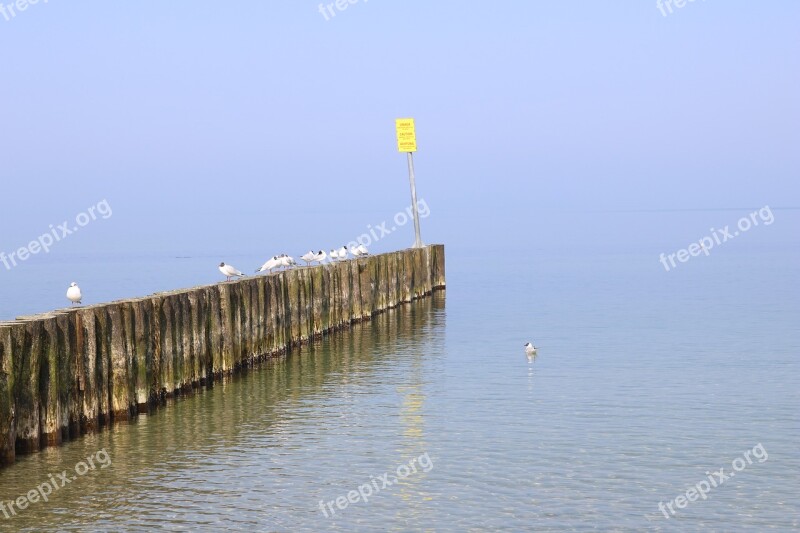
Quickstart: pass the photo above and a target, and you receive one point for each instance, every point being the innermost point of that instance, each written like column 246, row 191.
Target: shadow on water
column 180, row 457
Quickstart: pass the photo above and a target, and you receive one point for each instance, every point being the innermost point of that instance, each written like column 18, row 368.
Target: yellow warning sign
column 406, row 135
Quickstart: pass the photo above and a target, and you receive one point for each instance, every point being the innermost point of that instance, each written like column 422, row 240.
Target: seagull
column 530, row 349
column 321, row 256
column 334, row 255
column 362, row 249
column 355, row 251
column 310, row 257
column 287, row 261
column 269, row 265
column 74, row 293
column 229, row 271
column 343, row 253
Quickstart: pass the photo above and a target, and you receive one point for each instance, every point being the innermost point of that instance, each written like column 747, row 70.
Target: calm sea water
column 646, row 380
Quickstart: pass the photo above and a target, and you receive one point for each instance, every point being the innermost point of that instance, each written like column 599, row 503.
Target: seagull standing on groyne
column 309, row 257
column 229, row 271
column 269, row 265
column 74, row 293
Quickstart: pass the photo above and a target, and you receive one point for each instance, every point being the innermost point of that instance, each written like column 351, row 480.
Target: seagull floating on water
column 530, row 349
column 74, row 293
column 229, row 271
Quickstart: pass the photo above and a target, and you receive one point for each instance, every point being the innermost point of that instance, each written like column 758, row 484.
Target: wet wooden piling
column 72, row 371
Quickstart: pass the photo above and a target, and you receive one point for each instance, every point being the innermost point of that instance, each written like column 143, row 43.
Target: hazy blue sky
column 223, row 127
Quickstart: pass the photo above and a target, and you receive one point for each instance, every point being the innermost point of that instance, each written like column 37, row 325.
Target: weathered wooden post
column 8, row 433
column 50, row 408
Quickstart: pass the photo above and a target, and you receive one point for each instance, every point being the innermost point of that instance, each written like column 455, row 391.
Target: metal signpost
column 407, row 142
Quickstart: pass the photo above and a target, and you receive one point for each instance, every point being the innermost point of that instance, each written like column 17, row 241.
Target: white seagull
column 334, row 255
column 269, row 265
column 355, row 251
column 321, row 256
column 309, row 258
column 343, row 253
column 362, row 249
column 229, row 271
column 287, row 261
column 530, row 349
column 74, row 293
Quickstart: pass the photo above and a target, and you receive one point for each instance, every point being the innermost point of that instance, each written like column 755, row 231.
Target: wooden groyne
column 72, row 371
